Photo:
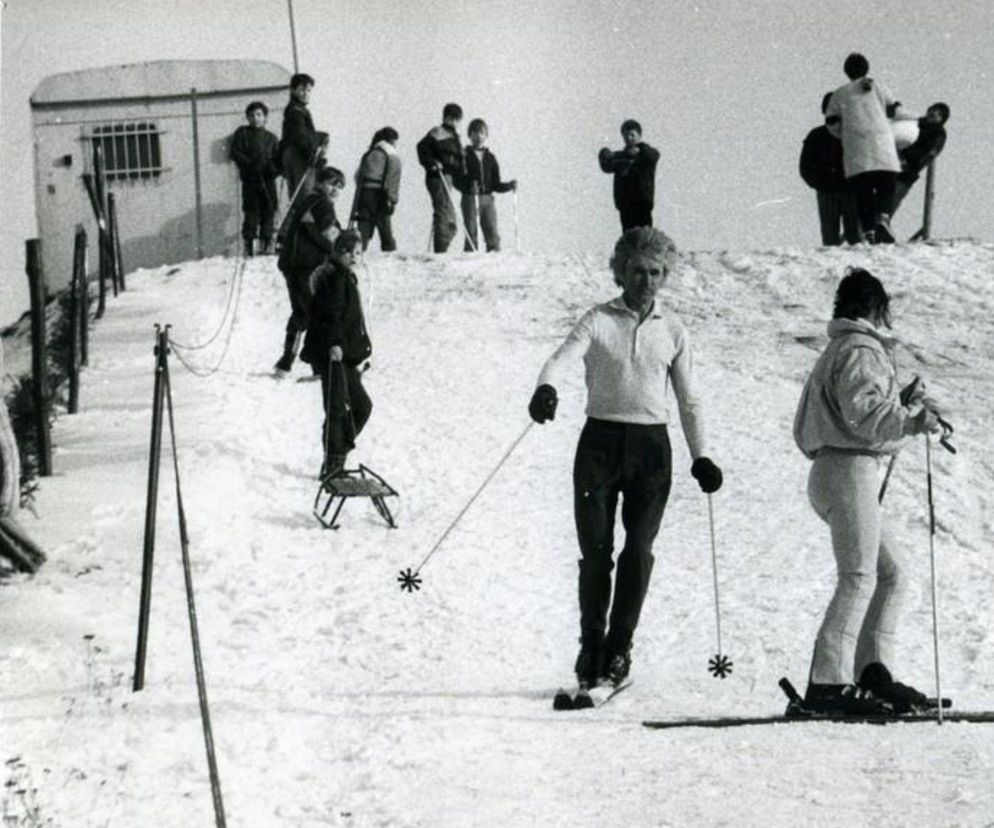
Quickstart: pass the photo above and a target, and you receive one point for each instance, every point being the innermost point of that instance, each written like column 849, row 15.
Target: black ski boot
column 589, row 660
column 879, row 683
column 617, row 659
column 844, row 700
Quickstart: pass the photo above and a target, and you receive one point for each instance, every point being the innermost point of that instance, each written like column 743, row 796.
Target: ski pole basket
column 336, row 488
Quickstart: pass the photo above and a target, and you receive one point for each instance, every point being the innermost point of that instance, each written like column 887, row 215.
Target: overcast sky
column 725, row 89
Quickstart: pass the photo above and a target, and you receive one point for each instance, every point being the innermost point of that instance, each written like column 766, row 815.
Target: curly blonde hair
column 642, row 241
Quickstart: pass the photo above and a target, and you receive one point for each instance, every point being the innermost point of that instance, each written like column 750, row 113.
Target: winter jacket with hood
column 336, row 319
column 634, row 175
column 380, row 169
column 851, row 400
column 859, row 114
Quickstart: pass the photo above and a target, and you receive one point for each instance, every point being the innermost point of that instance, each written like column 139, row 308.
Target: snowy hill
column 337, row 699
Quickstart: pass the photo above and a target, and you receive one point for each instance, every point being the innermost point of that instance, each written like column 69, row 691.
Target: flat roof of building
column 157, row 79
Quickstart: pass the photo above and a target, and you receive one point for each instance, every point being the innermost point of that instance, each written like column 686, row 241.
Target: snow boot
column 589, row 659
column 844, row 699
column 284, row 364
column 266, row 246
column 878, row 682
column 249, row 248
column 882, row 231
column 618, row 658
column 333, row 466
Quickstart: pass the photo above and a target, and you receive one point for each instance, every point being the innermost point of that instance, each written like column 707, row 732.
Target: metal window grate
column 130, row 150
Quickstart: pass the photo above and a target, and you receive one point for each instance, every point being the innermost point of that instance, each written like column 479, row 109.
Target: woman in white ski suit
column 849, row 418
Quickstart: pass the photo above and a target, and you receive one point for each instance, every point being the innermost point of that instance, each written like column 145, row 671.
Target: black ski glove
column 707, row 474
column 543, row 404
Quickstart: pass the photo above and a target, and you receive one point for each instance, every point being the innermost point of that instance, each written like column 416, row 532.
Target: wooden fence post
column 84, row 305
column 100, row 208
column 78, row 263
column 115, row 229
column 39, row 372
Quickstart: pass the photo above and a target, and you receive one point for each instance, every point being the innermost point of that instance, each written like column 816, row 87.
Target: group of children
column 863, row 160
column 317, row 253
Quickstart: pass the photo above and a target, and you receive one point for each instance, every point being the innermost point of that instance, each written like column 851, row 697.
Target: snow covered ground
column 337, row 699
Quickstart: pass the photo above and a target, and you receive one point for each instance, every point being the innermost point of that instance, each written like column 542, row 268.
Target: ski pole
column 478, row 228
column 931, row 555
column 411, row 577
column 720, row 666
column 452, row 203
column 517, row 236
column 883, row 486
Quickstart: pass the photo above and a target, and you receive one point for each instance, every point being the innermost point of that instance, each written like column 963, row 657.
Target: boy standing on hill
column 337, row 344
column 821, row 168
column 301, row 144
column 634, row 170
column 311, row 233
column 481, row 181
column 378, row 183
column 254, row 149
column 927, row 146
column 440, row 153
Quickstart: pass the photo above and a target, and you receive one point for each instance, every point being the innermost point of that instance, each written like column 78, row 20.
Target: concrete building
column 163, row 129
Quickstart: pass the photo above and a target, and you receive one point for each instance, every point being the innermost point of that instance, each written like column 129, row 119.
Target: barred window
column 130, row 150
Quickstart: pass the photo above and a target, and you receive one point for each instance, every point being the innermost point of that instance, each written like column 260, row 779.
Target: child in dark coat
column 478, row 185
column 255, row 150
column 337, row 344
column 634, row 170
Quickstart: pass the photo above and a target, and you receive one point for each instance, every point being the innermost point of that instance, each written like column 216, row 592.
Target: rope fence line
column 227, row 320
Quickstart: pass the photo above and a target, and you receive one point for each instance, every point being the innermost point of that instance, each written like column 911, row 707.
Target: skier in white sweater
column 634, row 352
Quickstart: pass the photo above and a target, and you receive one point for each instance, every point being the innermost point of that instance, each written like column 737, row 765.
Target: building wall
column 156, row 216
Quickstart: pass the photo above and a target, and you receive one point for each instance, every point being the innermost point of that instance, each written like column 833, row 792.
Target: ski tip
column 562, row 700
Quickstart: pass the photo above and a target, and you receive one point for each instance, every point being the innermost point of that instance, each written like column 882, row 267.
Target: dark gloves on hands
column 707, row 474
column 543, row 404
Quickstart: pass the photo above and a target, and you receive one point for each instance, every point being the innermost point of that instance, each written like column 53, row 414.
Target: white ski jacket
column 852, row 400
column 864, row 126
column 630, row 366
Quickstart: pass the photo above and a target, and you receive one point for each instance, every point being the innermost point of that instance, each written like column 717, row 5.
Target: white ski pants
column 859, row 625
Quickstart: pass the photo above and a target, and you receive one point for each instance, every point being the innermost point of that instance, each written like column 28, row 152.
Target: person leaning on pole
column 635, row 351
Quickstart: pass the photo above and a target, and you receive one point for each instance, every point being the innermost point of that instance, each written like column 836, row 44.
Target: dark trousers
column 443, row 218
column 635, row 462
column 258, row 210
column 834, row 206
column 487, row 219
column 635, row 215
column 299, row 290
column 372, row 213
column 347, row 407
column 873, row 193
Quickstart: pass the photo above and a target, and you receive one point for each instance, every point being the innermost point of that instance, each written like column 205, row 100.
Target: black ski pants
column 634, row 462
column 347, row 407
column 873, row 193
column 636, row 214
column 258, row 210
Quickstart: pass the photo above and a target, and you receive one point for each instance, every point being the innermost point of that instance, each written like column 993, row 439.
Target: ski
column 796, row 713
column 975, row 716
column 587, row 698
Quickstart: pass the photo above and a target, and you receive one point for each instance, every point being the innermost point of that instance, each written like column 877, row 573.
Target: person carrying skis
column 337, row 340
column 634, row 170
column 440, row 153
column 634, row 351
column 311, row 231
column 254, row 149
column 300, row 144
column 378, row 189
column 478, row 186
column 852, row 414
